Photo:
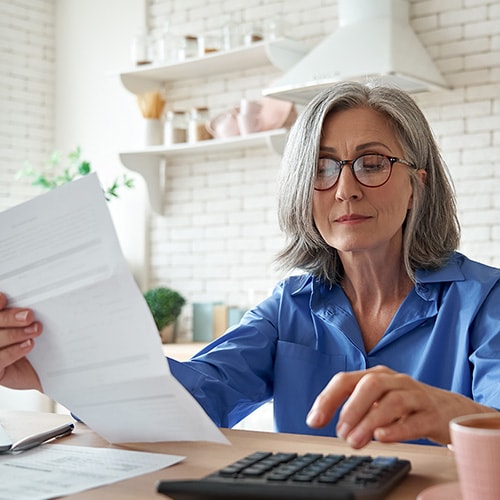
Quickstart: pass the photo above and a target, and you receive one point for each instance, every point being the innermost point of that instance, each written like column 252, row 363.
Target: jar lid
column 174, row 112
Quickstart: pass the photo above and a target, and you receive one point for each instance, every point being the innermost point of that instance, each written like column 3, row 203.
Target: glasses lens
column 326, row 174
column 372, row 170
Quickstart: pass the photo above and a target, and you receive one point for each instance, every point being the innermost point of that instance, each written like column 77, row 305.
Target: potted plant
column 165, row 305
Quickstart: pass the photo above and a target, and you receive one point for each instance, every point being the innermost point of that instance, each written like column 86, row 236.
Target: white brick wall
column 465, row 121
column 218, row 235
column 27, row 59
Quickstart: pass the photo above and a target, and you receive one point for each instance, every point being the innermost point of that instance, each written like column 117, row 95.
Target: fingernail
column 354, row 440
column 357, row 438
column 25, row 344
column 31, row 329
column 313, row 418
column 21, row 315
column 343, row 430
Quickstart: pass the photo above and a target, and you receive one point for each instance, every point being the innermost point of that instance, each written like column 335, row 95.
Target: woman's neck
column 375, row 291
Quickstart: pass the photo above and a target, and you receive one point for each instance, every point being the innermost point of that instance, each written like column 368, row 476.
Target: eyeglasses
column 370, row 170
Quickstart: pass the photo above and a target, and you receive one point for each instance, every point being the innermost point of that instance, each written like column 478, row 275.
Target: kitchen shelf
column 282, row 53
column 151, row 161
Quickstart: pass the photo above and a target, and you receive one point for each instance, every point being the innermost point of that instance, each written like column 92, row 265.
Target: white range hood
column 374, row 42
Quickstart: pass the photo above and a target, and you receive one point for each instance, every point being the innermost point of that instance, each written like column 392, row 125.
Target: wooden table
column 430, row 464
column 182, row 351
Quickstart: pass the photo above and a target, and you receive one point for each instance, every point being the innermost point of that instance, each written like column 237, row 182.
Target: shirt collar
column 451, row 271
column 427, row 281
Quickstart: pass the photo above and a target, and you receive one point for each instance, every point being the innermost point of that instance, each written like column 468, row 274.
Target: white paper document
column 58, row 470
column 100, row 354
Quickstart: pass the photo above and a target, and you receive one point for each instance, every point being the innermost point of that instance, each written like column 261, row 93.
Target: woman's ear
column 422, row 174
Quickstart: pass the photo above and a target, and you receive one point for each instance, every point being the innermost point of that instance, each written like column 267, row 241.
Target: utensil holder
column 153, row 131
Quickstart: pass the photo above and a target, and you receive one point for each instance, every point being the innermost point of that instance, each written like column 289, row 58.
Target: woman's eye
column 326, row 167
column 372, row 163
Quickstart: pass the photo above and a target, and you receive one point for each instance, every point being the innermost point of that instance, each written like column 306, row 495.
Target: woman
column 389, row 332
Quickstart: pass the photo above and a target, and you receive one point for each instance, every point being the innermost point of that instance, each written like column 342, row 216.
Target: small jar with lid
column 188, row 47
column 140, row 49
column 175, row 129
column 197, row 129
column 252, row 34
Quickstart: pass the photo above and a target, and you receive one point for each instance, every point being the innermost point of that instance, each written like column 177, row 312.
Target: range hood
column 374, row 42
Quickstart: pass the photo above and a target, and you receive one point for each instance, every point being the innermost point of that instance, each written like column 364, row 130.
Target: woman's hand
column 18, row 329
column 389, row 407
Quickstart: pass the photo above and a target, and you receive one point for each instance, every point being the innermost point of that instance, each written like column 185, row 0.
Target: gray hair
column 431, row 229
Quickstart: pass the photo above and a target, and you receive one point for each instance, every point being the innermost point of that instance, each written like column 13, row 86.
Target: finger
column 371, row 388
column 13, row 353
column 432, row 410
column 16, row 316
column 3, row 300
column 408, row 427
column 10, row 336
column 396, row 395
column 332, row 396
column 393, row 407
column 20, row 374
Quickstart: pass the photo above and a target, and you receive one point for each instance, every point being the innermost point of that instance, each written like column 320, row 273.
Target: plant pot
column 167, row 334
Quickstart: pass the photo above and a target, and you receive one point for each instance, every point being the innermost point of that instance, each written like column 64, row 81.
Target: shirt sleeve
column 233, row 375
column 485, row 351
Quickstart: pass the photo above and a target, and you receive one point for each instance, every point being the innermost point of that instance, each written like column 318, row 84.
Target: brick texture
column 27, row 61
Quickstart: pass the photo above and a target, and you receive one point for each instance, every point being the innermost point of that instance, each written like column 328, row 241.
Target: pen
column 5, row 441
column 42, row 437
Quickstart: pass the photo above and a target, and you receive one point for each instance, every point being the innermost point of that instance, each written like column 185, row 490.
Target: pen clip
column 37, row 439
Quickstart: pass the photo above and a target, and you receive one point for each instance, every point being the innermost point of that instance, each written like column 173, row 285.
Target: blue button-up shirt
column 446, row 333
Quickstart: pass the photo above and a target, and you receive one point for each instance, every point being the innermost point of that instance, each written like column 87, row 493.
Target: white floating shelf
column 150, row 161
column 282, row 54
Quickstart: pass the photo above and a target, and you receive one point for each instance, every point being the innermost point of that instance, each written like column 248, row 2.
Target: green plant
column 165, row 305
column 54, row 174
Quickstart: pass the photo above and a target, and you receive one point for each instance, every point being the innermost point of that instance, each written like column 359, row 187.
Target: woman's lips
column 351, row 219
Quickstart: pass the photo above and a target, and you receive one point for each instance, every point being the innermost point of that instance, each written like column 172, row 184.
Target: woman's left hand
column 388, row 406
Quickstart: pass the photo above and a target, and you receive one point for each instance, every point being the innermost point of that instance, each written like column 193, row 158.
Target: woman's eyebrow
column 359, row 147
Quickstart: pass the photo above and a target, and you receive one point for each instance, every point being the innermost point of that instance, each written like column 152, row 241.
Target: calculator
column 282, row 476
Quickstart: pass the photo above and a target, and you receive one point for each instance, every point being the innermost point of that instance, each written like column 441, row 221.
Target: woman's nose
column 348, row 187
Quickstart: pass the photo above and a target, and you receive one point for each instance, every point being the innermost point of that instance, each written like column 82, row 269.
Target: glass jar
column 197, row 129
column 231, row 33
column 252, row 34
column 188, row 47
column 208, row 44
column 275, row 29
column 175, row 130
column 140, row 49
column 167, row 51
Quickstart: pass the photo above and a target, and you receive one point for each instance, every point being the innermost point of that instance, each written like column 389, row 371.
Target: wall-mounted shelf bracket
column 151, row 162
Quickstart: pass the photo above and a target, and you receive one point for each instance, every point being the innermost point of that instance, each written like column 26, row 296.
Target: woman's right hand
column 18, row 329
